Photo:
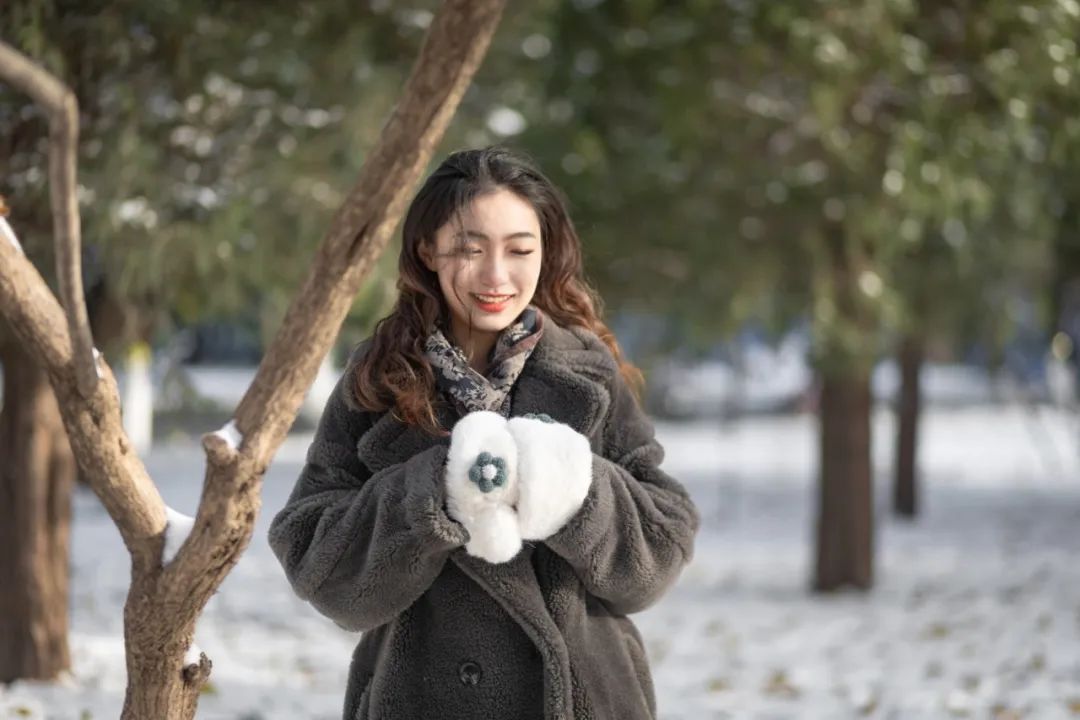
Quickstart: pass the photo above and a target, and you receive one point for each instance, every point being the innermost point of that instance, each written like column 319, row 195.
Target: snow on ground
column 976, row 613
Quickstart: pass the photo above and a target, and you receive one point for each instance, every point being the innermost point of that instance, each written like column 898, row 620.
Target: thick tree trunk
column 36, row 476
column 163, row 680
column 845, row 543
column 905, row 487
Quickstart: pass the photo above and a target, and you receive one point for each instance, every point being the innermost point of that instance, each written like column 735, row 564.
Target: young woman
column 483, row 496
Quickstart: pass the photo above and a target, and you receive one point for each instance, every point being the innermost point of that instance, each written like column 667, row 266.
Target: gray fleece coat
column 366, row 539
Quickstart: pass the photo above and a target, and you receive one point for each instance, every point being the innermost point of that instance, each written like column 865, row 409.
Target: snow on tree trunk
column 138, row 406
column 37, row 472
column 845, row 514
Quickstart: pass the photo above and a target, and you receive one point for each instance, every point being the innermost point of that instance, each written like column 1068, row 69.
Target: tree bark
column 162, row 681
column 905, row 486
column 37, row 472
column 845, row 543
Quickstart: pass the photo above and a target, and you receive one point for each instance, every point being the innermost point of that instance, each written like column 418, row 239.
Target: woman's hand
column 482, row 485
column 554, row 464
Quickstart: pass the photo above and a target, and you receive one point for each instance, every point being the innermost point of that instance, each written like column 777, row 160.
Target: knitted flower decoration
column 488, row 472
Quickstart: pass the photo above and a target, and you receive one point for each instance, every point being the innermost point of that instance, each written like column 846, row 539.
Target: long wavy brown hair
column 393, row 374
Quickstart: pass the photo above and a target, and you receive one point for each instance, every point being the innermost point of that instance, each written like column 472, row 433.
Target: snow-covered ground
column 976, row 612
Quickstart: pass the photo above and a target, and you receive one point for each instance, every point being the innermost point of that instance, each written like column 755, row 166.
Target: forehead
column 499, row 213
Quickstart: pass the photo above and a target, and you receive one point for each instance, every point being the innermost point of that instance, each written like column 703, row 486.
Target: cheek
column 534, row 272
column 454, row 279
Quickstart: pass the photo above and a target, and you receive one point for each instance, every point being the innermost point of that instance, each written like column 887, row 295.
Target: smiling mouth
column 492, row 304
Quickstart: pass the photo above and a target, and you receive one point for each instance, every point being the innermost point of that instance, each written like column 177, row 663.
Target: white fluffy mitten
column 554, row 464
column 482, row 485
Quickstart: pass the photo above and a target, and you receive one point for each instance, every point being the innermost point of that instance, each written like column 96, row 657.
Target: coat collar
column 566, row 377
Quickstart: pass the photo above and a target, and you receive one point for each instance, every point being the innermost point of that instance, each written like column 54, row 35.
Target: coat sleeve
column 635, row 531
column 362, row 547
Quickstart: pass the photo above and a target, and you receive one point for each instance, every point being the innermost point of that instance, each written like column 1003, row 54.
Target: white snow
column 97, row 365
column 176, row 532
column 975, row 613
column 9, row 233
column 231, row 435
column 191, row 657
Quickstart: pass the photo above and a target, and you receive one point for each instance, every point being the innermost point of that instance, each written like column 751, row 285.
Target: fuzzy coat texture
column 365, row 538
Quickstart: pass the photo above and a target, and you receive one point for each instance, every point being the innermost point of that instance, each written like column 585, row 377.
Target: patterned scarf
column 472, row 391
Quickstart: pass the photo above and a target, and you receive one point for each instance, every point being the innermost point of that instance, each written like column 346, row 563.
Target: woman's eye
column 522, row 252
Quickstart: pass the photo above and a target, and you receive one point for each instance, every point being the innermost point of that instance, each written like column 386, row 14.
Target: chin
column 495, row 323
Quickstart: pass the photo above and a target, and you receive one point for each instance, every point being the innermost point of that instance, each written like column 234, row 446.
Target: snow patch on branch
column 97, row 367
column 176, row 532
column 231, row 435
column 7, row 232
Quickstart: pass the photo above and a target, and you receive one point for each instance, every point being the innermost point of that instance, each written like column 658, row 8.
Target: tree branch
column 93, row 424
column 30, row 307
column 63, row 111
column 456, row 42
column 453, row 49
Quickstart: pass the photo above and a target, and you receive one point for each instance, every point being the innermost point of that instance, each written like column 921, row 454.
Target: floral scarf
column 472, row 391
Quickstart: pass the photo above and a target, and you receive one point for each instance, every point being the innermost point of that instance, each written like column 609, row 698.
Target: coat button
column 470, row 673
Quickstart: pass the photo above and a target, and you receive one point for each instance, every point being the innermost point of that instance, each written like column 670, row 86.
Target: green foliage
column 889, row 165
column 212, row 152
column 874, row 165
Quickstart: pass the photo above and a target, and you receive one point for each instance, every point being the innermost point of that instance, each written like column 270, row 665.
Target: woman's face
column 488, row 263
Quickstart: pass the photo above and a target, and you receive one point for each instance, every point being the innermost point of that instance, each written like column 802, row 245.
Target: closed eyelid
column 479, row 251
column 476, row 235
column 471, row 246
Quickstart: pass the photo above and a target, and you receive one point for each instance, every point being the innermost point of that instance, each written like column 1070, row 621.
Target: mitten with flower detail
column 481, row 485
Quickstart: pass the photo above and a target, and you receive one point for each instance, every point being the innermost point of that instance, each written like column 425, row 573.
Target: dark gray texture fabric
column 365, row 538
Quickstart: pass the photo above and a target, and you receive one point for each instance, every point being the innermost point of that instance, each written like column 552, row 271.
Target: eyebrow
column 477, row 235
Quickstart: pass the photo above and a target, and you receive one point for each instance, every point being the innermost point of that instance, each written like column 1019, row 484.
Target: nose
column 493, row 272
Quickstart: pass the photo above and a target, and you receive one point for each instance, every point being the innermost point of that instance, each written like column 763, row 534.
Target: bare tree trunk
column 161, row 681
column 845, row 543
column 905, row 487
column 37, row 471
